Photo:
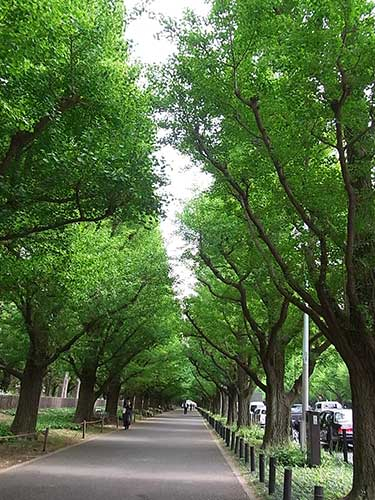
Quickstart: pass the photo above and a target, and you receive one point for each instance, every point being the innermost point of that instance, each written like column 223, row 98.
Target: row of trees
column 276, row 101
column 84, row 280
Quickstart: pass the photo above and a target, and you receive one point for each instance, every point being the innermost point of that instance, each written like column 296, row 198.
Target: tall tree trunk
column 277, row 430
column 244, row 390
column 362, row 380
column 232, row 395
column 217, row 404
column 224, row 408
column 86, row 398
column 28, row 403
column 113, row 396
column 278, row 402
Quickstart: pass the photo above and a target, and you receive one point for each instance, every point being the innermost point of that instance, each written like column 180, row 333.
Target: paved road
column 171, row 457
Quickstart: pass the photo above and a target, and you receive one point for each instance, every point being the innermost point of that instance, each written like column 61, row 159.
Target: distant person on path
column 185, row 408
column 127, row 413
column 191, row 406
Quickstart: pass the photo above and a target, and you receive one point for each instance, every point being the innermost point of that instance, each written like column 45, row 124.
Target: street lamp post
column 305, row 379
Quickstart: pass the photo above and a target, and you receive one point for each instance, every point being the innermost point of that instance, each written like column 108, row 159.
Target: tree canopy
column 276, row 101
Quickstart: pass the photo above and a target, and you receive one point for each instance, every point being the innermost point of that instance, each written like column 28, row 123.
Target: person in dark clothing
column 127, row 413
column 185, row 408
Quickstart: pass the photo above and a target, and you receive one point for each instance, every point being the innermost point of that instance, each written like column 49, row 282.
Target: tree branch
column 225, row 353
column 9, row 369
column 21, row 139
column 55, row 225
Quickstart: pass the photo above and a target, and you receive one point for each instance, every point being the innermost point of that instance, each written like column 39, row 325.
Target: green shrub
column 289, row 455
column 253, row 434
column 4, row 429
column 57, row 418
column 219, row 418
column 334, row 474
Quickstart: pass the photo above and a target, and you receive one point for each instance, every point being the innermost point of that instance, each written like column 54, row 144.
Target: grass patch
column 63, row 432
column 54, row 418
column 5, row 429
column 57, row 418
column 22, row 450
column 333, row 474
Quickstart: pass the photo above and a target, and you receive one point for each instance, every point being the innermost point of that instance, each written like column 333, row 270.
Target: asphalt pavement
column 170, row 457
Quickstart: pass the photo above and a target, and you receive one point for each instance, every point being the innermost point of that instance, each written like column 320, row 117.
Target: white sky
column 186, row 180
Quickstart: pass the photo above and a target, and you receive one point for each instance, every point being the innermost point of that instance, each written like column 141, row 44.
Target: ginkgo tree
column 276, row 100
column 237, row 301
column 77, row 137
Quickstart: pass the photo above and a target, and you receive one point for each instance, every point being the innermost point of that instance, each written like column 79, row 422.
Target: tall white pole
column 305, row 378
column 64, row 392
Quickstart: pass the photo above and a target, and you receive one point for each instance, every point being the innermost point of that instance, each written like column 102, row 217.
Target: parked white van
column 260, row 416
column 327, row 405
column 255, row 405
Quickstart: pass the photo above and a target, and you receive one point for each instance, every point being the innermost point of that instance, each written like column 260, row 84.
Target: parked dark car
column 332, row 425
column 295, row 418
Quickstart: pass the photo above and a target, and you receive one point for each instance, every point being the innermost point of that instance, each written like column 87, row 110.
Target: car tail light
column 348, row 430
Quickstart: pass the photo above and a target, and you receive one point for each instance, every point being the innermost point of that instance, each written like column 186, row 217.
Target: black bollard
column 287, row 495
column 318, row 493
column 261, row 467
column 241, row 448
column 344, row 445
column 246, row 453
column 227, row 438
column 236, row 445
column 272, row 476
column 46, row 432
column 252, row 459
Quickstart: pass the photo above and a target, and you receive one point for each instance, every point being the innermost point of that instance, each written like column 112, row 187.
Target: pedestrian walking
column 185, row 408
column 127, row 413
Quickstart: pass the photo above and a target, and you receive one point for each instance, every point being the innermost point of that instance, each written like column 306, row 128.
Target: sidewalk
column 169, row 457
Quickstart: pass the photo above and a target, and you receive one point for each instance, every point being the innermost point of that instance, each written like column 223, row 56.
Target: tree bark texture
column 362, row 380
column 232, row 395
column 224, row 407
column 28, row 403
column 244, row 391
column 278, row 401
column 86, row 398
column 217, row 406
column 113, row 396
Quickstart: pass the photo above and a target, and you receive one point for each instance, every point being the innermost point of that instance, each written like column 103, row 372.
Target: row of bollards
column 247, row 454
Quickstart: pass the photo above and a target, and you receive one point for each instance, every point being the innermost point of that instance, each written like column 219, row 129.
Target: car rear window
column 343, row 417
